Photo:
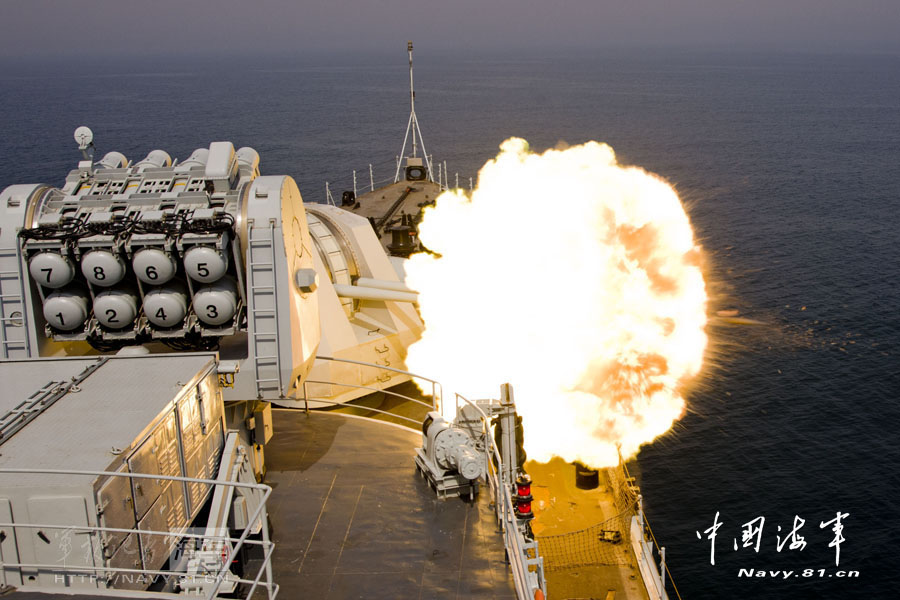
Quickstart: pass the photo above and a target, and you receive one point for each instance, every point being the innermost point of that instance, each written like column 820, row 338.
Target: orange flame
column 573, row 278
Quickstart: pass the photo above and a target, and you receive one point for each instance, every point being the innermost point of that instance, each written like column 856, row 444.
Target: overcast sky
column 214, row 27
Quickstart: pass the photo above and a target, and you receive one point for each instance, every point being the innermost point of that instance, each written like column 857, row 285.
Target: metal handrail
column 657, row 546
column 369, row 387
column 57, row 567
column 437, row 391
column 518, row 559
column 259, row 513
column 513, row 540
column 646, row 524
column 368, row 364
column 371, row 184
column 91, row 528
column 417, row 422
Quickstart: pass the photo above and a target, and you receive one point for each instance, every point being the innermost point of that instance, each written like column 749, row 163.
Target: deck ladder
column 263, row 293
column 14, row 342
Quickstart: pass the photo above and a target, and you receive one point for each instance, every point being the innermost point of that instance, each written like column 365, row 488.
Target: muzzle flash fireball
column 584, row 287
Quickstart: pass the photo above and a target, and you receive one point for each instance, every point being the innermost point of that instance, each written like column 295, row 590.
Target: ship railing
column 526, row 564
column 363, row 181
column 525, row 561
column 654, row 555
column 651, row 556
column 100, row 574
column 434, row 404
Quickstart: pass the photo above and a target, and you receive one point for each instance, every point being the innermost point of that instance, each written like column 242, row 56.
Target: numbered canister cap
column 115, row 308
column 165, row 306
column 205, row 264
column 216, row 304
column 154, row 266
column 66, row 310
column 102, row 268
column 51, row 269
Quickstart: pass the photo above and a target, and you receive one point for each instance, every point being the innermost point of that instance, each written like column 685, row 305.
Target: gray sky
column 130, row 27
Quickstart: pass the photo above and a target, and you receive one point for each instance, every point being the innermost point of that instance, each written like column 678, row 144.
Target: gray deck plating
column 352, row 518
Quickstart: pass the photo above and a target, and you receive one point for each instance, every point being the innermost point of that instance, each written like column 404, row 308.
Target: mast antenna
column 412, row 125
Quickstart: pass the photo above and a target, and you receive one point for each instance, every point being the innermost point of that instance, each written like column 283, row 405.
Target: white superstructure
column 194, row 255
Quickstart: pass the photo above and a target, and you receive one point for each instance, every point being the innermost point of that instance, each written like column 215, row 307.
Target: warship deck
column 353, row 519
column 385, row 205
column 560, row 508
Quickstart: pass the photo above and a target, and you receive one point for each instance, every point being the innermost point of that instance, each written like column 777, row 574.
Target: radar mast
column 412, row 126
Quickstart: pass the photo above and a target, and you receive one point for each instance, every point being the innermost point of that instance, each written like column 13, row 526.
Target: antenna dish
column 84, row 136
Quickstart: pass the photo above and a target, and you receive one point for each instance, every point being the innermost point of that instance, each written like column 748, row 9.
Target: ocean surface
column 789, row 166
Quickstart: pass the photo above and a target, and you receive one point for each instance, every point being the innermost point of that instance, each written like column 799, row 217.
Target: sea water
column 789, row 166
